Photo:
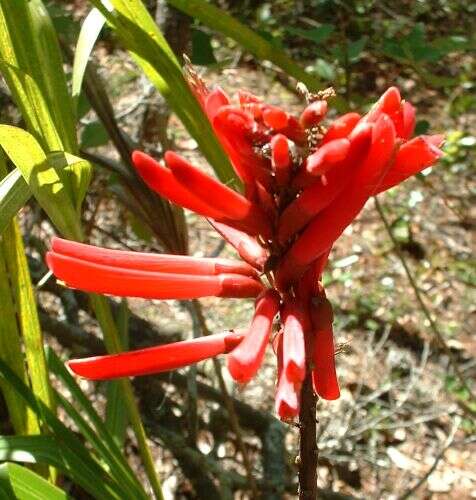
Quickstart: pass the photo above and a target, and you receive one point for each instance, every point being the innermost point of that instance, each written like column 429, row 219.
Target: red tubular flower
column 179, row 264
column 331, row 222
column 245, row 360
column 327, row 156
column 127, row 282
column 324, row 377
column 233, row 206
column 161, row 180
column 313, row 114
column 318, row 196
column 294, row 355
column 275, row 118
column 155, row 359
column 303, row 186
column 287, row 398
column 280, row 159
column 247, row 247
column 412, row 157
column 341, row 127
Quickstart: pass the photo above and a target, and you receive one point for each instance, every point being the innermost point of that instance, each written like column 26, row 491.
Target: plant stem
column 307, row 442
column 113, row 345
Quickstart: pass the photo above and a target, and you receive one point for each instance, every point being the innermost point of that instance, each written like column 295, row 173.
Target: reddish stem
column 307, row 442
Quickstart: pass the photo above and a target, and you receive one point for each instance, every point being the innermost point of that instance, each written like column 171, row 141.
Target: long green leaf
column 30, row 60
column 33, row 106
column 27, row 315
column 23, row 420
column 88, row 35
column 44, row 180
column 29, row 42
column 23, row 484
column 141, row 36
column 116, row 414
column 226, row 24
column 50, row 451
column 100, row 436
column 71, row 456
column 14, row 193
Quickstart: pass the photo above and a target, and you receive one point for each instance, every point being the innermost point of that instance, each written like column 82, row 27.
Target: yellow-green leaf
column 45, row 181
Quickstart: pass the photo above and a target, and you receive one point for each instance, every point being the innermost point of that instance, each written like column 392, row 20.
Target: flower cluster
column 304, row 183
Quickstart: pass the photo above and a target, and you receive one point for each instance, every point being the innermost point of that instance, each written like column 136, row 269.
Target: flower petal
column 214, row 101
column 124, row 282
column 294, row 355
column 280, row 159
column 324, row 377
column 155, row 359
column 318, row 196
column 414, row 156
column 231, row 204
column 178, row 264
column 341, row 127
column 327, row 156
column 161, row 180
column 275, row 117
column 244, row 362
column 313, row 114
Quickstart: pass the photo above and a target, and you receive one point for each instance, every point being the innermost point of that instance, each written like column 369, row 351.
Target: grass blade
column 116, row 414
column 100, row 436
column 25, row 304
column 70, row 455
column 23, row 484
column 14, row 193
column 88, row 35
column 44, row 180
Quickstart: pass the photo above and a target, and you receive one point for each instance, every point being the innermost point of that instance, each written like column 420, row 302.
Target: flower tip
column 239, row 371
column 78, row 367
column 390, row 100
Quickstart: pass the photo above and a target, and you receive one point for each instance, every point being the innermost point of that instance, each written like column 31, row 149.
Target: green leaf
column 316, row 35
column 44, row 180
column 202, row 50
column 88, row 35
column 93, row 135
column 23, row 420
column 62, row 450
column 354, row 49
column 23, row 484
column 25, row 304
column 98, row 434
column 34, row 108
column 51, row 451
column 14, row 193
column 82, row 170
column 28, row 42
column 116, row 414
column 325, row 70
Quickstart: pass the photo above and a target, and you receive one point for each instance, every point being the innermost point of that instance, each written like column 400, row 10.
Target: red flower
column 304, row 185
